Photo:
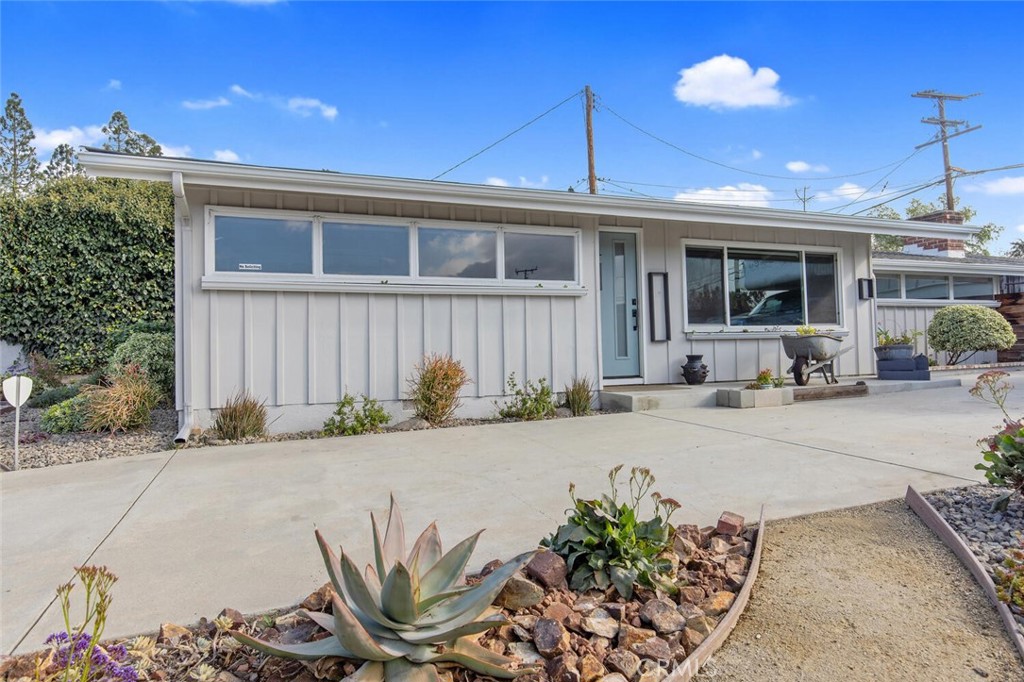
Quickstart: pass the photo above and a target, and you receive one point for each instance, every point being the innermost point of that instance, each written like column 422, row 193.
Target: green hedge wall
column 80, row 258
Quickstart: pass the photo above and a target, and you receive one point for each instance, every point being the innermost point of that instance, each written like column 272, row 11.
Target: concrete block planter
column 931, row 518
column 691, row 665
column 748, row 397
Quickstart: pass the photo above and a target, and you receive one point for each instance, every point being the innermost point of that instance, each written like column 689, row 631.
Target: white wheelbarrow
column 812, row 353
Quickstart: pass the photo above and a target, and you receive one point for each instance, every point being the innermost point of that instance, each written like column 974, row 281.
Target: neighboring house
column 930, row 274
column 301, row 285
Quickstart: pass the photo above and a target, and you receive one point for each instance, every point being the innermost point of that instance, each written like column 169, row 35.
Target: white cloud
column 48, row 140
column 204, row 104
column 113, row 84
column 497, row 182
column 804, row 167
column 241, row 92
column 756, row 154
column 225, row 155
column 543, row 182
column 172, row 150
column 726, row 82
column 845, row 193
column 1000, row 187
column 1020, row 228
column 305, row 106
column 743, row 194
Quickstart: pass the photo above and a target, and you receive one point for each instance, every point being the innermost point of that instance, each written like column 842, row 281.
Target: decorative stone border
column 952, row 539
column 749, row 397
column 686, row 670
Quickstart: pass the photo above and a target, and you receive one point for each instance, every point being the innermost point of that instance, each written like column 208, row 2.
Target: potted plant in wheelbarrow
column 812, row 351
column 892, row 346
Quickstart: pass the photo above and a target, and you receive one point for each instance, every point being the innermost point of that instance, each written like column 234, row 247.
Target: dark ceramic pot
column 895, row 351
column 694, row 371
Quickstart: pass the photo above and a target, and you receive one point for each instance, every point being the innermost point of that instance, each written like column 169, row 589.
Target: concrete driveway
column 197, row 530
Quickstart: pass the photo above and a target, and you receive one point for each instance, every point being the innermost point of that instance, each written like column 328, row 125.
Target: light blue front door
column 620, row 321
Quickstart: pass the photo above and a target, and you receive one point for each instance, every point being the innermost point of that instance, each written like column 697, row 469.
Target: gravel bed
column 55, row 449
column 989, row 534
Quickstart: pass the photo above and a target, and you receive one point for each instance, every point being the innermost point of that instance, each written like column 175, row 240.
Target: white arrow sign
column 17, row 391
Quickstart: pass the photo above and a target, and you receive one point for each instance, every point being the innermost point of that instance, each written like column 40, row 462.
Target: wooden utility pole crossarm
column 944, row 135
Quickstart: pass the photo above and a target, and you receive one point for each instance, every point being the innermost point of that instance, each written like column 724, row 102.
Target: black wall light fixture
column 865, row 288
column 657, row 297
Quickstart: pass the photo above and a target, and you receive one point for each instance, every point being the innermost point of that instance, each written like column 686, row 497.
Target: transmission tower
column 944, row 134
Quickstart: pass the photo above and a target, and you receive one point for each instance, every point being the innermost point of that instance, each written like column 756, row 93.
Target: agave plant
column 406, row 612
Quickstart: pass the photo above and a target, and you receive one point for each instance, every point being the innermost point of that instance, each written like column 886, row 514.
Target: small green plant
column 126, row 404
column 67, row 416
column 806, row 330
column 153, row 352
column 46, row 373
column 116, row 335
column 243, row 416
column 579, row 395
column 883, row 337
column 348, row 420
column 435, row 386
column 764, row 378
column 778, row 382
column 75, row 654
column 605, row 543
column 529, row 401
column 963, row 330
column 51, row 396
column 407, row 612
column 1003, row 462
column 1010, row 578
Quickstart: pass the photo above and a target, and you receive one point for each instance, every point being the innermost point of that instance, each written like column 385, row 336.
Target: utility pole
column 944, row 135
column 591, row 174
column 804, row 198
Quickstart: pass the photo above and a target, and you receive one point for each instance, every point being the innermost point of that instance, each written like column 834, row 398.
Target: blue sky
column 789, row 95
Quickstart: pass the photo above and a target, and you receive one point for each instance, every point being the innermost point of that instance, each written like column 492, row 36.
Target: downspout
column 183, row 303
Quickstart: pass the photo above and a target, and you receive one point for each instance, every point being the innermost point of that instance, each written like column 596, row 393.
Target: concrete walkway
column 194, row 531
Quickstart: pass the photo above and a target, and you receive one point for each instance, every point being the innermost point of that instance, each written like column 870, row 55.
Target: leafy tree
column 18, row 163
column 121, row 138
column 63, row 163
column 83, row 257
column 1016, row 249
column 977, row 244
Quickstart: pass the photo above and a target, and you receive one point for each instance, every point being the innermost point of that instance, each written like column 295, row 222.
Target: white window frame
column 761, row 246
column 320, row 281
column 950, row 298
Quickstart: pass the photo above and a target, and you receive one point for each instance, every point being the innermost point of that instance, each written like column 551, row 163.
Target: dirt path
column 864, row 594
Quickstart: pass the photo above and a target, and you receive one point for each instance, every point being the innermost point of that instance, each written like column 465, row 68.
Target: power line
column 604, row 107
column 896, row 168
column 502, row 139
column 900, row 196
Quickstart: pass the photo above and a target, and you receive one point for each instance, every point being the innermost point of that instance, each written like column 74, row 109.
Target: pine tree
column 18, row 163
column 63, row 163
column 121, row 138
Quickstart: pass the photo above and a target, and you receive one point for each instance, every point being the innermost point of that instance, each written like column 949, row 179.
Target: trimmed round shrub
column 153, row 352
column 67, row 416
column 963, row 330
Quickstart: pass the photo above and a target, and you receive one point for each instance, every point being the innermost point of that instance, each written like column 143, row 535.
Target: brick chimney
column 942, row 246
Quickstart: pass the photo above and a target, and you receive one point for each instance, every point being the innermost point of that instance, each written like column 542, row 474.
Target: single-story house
column 301, row 285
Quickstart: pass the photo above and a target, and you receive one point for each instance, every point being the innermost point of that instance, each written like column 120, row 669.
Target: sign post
column 17, row 390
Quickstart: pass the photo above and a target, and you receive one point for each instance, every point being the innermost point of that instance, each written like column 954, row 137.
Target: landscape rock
column 719, row 545
column 653, row 673
column 585, row 605
column 692, row 639
column 600, row 623
column 525, row 652
column 730, row 524
column 663, row 616
column 560, row 612
column 630, row 635
column 411, row 424
column 318, row 601
column 591, row 668
column 613, row 677
column 490, row 567
column 237, row 619
column 742, row 548
column 550, row 638
column 172, row 634
column 701, row 624
column 718, row 603
column 548, row 569
column 623, row 661
column 689, row 611
column 562, row 668
column 520, row 593
column 691, row 594
column 654, row 648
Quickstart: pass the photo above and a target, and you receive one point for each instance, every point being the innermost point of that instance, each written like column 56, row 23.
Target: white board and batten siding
column 302, row 350
column 738, row 356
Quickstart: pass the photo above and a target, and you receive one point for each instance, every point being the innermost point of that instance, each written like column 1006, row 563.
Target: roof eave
column 241, row 176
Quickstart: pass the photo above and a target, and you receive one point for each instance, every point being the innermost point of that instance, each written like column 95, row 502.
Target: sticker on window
column 250, row 266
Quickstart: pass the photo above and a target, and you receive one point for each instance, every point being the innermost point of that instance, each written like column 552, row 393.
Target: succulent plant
column 405, row 613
